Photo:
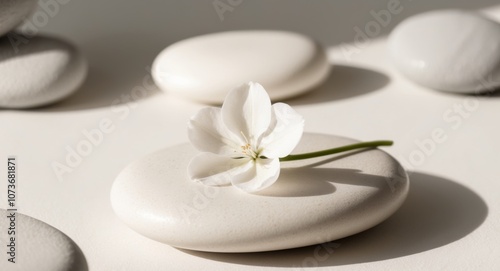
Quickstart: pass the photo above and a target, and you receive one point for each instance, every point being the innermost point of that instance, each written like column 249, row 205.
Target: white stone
column 449, row 50
column 12, row 13
column 205, row 68
column 42, row 71
column 310, row 203
column 38, row 246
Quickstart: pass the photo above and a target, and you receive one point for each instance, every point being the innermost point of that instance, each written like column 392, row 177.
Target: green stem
column 370, row 144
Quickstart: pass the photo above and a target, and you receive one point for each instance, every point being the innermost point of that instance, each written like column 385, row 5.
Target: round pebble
column 42, row 71
column 449, row 50
column 12, row 13
column 314, row 201
column 37, row 245
column 206, row 68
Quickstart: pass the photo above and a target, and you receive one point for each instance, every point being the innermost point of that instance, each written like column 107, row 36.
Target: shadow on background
column 437, row 212
column 80, row 263
column 121, row 45
column 343, row 82
column 104, row 90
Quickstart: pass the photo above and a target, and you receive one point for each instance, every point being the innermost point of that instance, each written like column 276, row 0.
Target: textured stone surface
column 205, row 68
column 313, row 201
column 39, row 246
column 42, row 71
column 449, row 50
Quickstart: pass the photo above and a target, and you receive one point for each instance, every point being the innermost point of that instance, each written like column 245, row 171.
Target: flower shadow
column 310, row 180
column 301, row 183
column 343, row 82
column 437, row 212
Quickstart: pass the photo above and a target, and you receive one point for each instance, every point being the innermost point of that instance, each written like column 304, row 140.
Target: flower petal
column 284, row 132
column 212, row 169
column 263, row 174
column 247, row 110
column 207, row 133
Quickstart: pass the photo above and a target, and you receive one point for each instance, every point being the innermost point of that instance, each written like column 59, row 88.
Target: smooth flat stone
column 43, row 71
column 205, row 68
column 313, row 201
column 450, row 50
column 12, row 13
column 39, row 246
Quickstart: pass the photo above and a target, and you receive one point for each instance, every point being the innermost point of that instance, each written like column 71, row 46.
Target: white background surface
column 450, row 221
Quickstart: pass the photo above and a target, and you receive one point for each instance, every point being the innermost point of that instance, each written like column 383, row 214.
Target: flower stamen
column 248, row 151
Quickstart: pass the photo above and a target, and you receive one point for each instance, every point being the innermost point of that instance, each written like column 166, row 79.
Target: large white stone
column 12, row 13
column 42, row 71
column 449, row 50
column 38, row 246
column 313, row 201
column 205, row 68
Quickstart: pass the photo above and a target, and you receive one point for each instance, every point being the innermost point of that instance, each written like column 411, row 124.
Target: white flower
column 243, row 141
